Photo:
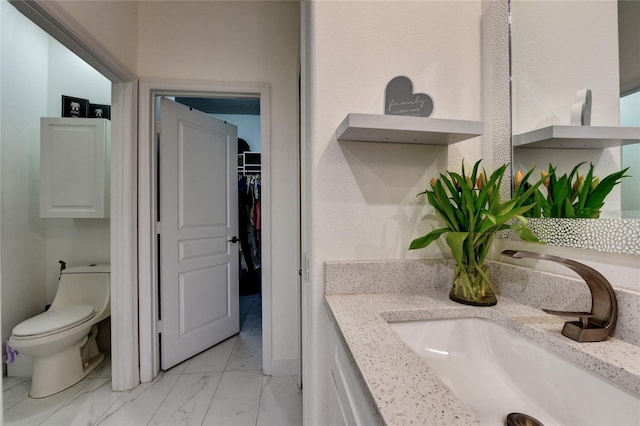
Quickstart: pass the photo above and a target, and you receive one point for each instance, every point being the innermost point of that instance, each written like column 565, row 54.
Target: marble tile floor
column 221, row 386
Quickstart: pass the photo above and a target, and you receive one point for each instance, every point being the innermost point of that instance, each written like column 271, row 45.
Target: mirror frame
column 604, row 235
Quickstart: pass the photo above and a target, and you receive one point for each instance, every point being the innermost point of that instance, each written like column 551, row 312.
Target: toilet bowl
column 62, row 340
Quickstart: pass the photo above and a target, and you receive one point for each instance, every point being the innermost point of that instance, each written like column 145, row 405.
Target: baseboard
column 284, row 366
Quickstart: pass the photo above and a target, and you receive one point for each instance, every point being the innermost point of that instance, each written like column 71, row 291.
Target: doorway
column 148, row 246
column 64, row 29
column 244, row 113
column 132, row 266
column 197, row 231
column 37, row 241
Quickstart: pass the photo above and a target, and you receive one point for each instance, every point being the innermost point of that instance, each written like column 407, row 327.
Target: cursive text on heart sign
column 400, row 99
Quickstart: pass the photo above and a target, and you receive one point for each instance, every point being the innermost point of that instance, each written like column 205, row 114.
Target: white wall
column 366, row 192
column 248, row 127
column 32, row 87
column 69, row 75
column 362, row 196
column 24, row 53
column 76, row 241
column 113, row 23
column 559, row 47
column 249, row 41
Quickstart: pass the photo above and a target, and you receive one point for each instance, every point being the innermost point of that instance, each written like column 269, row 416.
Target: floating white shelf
column 403, row 129
column 577, row 137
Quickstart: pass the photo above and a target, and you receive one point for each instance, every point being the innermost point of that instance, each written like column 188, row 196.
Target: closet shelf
column 577, row 137
column 404, row 129
column 249, row 162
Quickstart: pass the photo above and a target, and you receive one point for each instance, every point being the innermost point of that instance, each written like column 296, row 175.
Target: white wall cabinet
column 74, row 168
column 348, row 404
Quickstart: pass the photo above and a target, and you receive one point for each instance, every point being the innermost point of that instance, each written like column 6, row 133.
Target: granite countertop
column 400, row 384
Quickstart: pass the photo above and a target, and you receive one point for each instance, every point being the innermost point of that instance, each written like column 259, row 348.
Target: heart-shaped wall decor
column 399, row 99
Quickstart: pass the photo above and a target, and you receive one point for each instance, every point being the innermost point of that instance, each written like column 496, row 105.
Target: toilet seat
column 53, row 321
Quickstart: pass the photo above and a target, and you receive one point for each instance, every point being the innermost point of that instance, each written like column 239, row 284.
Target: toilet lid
column 53, row 321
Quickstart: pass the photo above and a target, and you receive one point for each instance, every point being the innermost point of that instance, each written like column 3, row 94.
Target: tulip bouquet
column 568, row 196
column 472, row 212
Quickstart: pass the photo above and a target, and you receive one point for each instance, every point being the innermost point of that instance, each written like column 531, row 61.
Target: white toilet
column 62, row 340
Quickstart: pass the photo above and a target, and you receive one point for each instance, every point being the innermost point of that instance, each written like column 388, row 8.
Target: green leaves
column 471, row 203
column 573, row 195
column 424, row 241
column 456, row 240
column 524, row 232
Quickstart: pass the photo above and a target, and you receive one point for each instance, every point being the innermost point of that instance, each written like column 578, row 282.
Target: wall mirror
column 557, row 49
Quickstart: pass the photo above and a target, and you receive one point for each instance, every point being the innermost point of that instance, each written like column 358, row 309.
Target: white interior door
column 199, row 294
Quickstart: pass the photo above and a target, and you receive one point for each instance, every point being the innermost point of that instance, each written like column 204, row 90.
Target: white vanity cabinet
column 348, row 404
column 74, row 167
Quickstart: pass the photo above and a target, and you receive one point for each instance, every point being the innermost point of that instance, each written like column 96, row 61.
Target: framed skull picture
column 74, row 107
column 100, row 111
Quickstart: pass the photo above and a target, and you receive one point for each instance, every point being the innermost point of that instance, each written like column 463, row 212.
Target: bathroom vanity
column 393, row 385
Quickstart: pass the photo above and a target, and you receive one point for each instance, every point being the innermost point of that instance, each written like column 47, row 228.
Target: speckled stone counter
column 400, row 385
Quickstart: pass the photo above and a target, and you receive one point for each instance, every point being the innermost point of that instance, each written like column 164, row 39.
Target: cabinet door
column 74, row 172
column 349, row 405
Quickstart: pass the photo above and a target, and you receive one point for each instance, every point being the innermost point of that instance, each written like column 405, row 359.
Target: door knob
column 234, row 239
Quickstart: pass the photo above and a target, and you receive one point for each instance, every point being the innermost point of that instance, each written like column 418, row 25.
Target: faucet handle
column 584, row 316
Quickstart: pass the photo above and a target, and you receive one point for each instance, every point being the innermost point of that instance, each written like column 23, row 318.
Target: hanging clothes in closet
column 249, row 188
column 254, row 213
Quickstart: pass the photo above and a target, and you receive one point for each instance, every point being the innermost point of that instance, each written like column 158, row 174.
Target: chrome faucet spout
column 592, row 326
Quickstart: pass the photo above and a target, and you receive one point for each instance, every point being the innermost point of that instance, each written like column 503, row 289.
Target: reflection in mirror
column 629, row 39
column 558, row 48
column 630, row 187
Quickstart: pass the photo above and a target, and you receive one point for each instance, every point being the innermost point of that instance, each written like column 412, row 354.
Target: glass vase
column 472, row 279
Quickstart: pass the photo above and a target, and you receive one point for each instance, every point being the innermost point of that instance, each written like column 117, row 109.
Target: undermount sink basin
column 495, row 371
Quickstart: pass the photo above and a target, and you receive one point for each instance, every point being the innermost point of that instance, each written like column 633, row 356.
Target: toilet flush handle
column 63, row 266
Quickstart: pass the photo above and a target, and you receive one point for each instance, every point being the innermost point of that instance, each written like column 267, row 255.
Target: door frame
column 56, row 22
column 148, row 89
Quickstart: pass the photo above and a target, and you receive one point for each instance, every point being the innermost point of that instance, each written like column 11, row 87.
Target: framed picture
column 74, row 107
column 100, row 111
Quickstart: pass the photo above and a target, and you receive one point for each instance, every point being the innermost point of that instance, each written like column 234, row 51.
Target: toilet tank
column 85, row 285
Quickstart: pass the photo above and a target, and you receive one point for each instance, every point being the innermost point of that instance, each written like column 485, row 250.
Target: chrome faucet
column 593, row 326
